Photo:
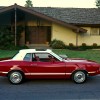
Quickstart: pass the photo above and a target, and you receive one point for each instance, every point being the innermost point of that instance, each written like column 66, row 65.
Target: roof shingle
column 75, row 16
column 72, row 15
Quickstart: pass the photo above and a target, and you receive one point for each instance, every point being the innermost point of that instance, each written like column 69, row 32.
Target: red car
column 37, row 64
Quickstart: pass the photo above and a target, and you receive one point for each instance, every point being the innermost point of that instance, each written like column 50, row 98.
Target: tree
column 28, row 3
column 98, row 3
column 6, row 37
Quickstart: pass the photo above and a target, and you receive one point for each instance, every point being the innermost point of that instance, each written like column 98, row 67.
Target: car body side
column 68, row 68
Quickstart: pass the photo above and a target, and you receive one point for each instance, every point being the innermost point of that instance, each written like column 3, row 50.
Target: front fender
column 77, row 67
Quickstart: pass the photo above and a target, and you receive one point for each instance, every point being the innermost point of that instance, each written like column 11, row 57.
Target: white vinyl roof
column 34, row 50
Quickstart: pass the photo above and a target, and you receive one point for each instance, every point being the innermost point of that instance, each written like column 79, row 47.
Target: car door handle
column 33, row 64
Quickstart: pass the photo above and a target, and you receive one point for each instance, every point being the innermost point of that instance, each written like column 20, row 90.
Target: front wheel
column 79, row 77
column 15, row 77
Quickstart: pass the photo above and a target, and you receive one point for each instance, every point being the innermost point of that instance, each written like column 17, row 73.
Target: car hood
column 79, row 60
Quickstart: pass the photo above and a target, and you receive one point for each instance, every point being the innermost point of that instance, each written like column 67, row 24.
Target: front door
column 43, row 67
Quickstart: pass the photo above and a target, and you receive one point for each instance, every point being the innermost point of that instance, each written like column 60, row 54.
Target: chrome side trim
column 47, row 73
column 42, row 73
column 91, row 72
column 68, row 73
column 4, row 72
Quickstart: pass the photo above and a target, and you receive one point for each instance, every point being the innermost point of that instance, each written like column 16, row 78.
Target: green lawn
column 88, row 54
column 6, row 53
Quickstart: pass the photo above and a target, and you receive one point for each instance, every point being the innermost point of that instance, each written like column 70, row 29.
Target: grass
column 88, row 54
column 7, row 53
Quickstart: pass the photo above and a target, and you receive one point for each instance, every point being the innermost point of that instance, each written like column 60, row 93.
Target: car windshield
column 57, row 56
column 63, row 56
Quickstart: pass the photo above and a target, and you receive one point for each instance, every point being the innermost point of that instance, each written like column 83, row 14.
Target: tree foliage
column 28, row 3
column 6, row 37
column 98, row 3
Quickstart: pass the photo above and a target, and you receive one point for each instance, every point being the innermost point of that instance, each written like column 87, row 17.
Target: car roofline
column 35, row 50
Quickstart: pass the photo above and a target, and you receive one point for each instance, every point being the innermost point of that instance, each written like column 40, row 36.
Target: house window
column 95, row 31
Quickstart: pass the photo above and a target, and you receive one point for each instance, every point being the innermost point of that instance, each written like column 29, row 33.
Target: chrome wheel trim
column 16, row 77
column 79, row 77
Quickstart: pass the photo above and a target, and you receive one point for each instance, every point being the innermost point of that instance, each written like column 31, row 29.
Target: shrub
column 12, row 47
column 94, row 45
column 20, row 47
column 52, row 42
column 83, row 44
column 57, row 44
column 71, row 44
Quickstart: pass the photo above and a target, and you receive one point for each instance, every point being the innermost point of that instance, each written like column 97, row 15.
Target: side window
column 45, row 57
column 28, row 57
column 42, row 56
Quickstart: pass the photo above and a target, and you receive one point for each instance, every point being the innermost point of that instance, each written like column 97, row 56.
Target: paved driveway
column 50, row 90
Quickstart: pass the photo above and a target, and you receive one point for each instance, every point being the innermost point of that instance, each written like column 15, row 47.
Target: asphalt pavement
column 50, row 90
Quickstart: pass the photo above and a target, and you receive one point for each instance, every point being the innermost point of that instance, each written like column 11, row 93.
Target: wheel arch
column 79, row 70
column 16, row 70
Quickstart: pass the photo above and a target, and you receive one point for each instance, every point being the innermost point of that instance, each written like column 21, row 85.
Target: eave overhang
column 38, row 14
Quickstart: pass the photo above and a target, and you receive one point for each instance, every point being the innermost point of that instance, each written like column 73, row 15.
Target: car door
column 43, row 67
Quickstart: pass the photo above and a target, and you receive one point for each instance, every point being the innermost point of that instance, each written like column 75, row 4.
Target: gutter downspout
column 77, row 37
column 15, row 27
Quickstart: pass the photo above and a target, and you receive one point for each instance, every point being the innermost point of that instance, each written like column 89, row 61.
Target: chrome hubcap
column 16, row 77
column 79, row 77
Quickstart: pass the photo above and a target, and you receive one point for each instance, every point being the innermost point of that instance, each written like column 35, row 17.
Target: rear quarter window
column 28, row 57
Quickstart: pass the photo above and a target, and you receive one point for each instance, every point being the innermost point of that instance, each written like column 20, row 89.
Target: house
column 43, row 24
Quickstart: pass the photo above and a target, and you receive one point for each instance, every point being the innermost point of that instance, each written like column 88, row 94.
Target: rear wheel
column 15, row 77
column 79, row 77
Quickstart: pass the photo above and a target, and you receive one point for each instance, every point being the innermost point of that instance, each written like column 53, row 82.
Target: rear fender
column 15, row 67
